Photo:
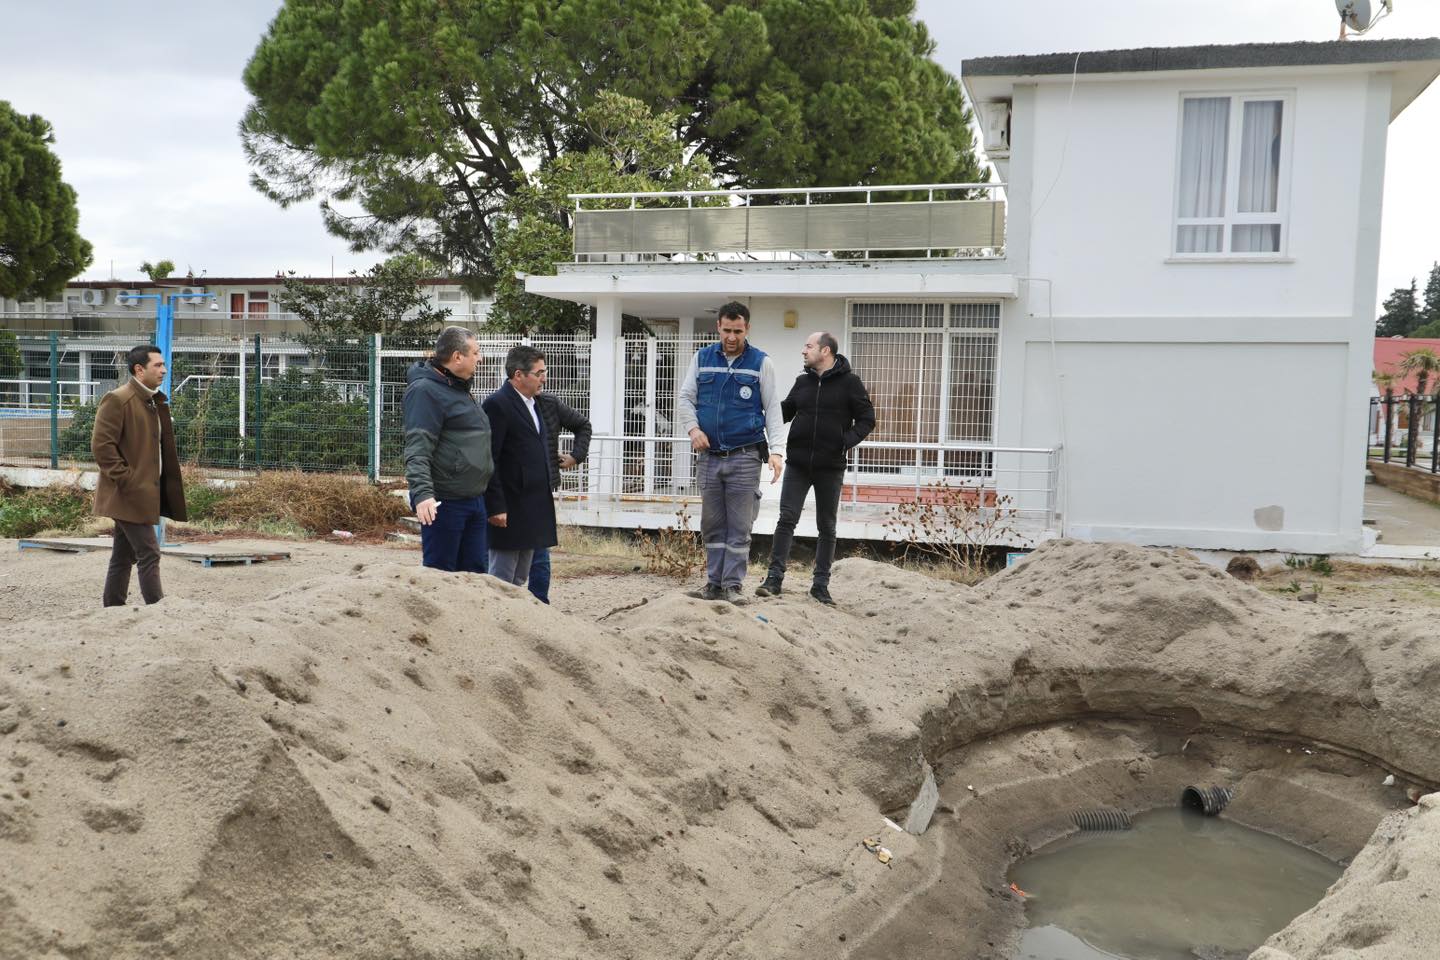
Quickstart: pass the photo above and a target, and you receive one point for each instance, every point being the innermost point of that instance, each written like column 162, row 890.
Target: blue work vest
column 727, row 397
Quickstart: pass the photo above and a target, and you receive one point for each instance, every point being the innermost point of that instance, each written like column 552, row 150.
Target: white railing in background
column 637, row 470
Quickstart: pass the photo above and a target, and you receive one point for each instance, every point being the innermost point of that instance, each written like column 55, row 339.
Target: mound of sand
column 395, row 762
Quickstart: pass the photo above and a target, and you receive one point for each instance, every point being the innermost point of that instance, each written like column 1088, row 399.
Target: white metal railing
column 807, row 192
column 653, row 223
column 650, row 469
column 26, row 394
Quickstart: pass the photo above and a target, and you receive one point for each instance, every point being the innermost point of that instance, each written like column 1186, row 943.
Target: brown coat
column 130, row 437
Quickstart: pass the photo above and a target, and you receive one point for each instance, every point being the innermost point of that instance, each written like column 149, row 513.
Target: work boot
column 822, row 593
column 734, row 595
column 711, row 591
column 770, row 588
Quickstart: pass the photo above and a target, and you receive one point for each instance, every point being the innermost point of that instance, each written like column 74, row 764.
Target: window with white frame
column 1231, row 189
column 930, row 370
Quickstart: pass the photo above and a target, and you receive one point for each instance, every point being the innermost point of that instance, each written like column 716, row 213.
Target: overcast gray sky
column 145, row 99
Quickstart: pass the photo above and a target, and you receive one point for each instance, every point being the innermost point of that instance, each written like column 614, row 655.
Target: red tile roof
column 1388, row 353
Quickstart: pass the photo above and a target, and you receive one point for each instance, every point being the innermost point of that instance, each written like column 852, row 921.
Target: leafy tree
column 40, row 243
column 386, row 299
column 1430, row 331
column 1402, row 313
column 634, row 151
column 158, row 271
column 415, row 122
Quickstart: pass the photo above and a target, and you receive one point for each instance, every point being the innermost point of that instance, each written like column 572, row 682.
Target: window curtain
column 1259, row 175
column 1205, row 130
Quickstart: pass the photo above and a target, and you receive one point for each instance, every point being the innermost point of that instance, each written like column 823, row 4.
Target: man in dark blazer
column 134, row 446
column 518, row 499
column 557, row 415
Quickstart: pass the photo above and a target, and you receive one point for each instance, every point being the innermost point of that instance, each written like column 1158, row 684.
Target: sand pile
column 394, row 762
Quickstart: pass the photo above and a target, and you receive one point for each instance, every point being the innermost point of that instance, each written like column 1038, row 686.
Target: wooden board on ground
column 205, row 554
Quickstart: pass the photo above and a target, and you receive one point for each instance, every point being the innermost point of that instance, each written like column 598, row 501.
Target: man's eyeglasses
column 537, row 374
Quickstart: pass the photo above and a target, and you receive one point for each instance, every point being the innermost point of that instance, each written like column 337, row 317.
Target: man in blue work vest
column 730, row 406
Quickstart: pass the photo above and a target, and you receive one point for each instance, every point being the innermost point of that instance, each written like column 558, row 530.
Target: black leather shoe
column 770, row 588
column 711, row 591
column 734, row 595
column 822, row 594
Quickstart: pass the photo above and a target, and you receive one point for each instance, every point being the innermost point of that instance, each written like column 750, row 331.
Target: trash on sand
column 922, row 808
column 342, row 534
column 881, row 853
column 1389, row 780
column 1017, row 891
column 762, row 618
column 893, row 825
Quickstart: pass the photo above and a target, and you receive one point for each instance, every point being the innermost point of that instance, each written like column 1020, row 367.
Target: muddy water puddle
column 1177, row 886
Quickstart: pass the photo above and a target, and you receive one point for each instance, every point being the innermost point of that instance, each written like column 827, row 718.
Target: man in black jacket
column 521, row 508
column 557, row 415
column 447, row 454
column 829, row 412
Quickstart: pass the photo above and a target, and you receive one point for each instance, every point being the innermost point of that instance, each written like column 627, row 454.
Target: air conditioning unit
column 127, row 298
column 92, row 298
column 192, row 290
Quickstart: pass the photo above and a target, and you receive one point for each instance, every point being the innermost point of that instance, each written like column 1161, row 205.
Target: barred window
column 930, row 370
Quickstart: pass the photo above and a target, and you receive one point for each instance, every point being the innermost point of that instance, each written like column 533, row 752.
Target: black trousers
column 797, row 482
column 134, row 545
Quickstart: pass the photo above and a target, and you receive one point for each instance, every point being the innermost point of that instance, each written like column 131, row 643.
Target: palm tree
column 1423, row 363
column 1386, row 381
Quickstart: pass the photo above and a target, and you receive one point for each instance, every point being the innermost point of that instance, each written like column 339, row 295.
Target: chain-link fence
column 333, row 405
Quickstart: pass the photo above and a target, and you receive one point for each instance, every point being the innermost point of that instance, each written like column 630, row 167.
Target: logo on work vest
column 745, row 393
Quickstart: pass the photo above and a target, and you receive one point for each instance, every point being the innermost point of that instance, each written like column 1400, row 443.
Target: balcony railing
column 634, row 475
column 953, row 219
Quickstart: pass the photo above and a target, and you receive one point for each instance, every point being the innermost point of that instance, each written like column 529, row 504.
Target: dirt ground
column 344, row 754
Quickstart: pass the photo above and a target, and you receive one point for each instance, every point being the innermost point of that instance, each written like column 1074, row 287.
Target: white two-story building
column 1156, row 325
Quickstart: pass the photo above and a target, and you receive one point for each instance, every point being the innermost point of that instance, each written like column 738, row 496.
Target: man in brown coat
column 134, row 447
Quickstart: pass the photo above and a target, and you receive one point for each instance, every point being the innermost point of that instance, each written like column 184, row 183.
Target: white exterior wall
column 1214, row 404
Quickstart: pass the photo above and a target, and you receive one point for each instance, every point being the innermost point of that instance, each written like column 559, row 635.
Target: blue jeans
column 540, row 575
column 459, row 539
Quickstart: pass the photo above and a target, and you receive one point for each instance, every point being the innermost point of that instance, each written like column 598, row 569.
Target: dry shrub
column 317, row 502
column 59, row 509
column 673, row 551
column 952, row 526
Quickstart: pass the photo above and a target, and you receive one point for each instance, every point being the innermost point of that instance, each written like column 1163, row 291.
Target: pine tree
column 1402, row 313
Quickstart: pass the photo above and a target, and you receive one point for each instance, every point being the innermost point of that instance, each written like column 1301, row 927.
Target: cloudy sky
column 145, row 99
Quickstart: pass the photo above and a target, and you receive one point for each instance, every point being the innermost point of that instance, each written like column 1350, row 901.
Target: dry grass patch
column 315, row 502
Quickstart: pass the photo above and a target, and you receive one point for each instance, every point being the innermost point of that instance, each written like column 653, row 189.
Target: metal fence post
column 259, row 405
column 240, row 358
column 54, row 400
column 1412, row 431
column 1389, row 420
column 1435, row 434
column 375, row 343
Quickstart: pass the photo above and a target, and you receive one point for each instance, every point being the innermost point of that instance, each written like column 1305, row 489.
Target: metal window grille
column 930, row 369
column 654, row 369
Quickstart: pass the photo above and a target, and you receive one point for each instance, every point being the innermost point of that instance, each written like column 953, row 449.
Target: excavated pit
column 383, row 761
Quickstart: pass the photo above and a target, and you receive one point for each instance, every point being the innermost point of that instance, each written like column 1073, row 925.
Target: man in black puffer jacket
column 448, row 460
column 829, row 411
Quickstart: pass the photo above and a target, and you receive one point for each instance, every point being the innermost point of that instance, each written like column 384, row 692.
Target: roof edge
column 1209, row 57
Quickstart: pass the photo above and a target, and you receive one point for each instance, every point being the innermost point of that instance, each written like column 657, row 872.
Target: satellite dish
column 1355, row 14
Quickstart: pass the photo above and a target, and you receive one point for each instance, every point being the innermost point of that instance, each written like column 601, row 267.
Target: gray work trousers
column 512, row 566
column 729, row 500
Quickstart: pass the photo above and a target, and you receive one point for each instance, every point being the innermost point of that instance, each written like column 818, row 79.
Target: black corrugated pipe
column 1101, row 818
column 1206, row 800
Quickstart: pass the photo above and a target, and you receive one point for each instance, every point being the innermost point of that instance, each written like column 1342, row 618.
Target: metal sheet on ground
column 207, row 555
